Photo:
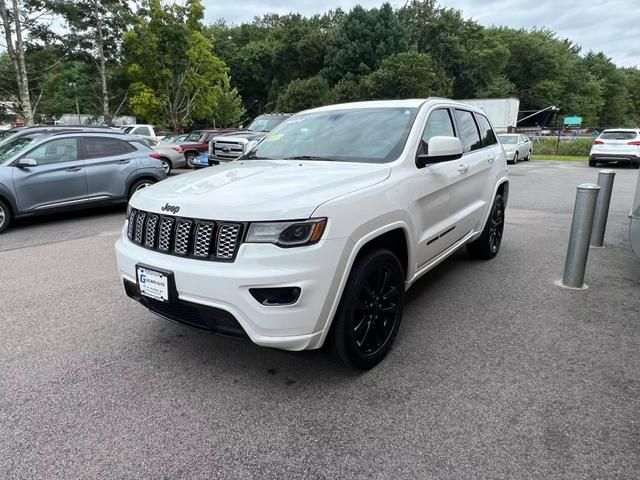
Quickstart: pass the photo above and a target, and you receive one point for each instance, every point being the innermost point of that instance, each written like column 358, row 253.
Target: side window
column 56, row 151
column 469, row 136
column 142, row 131
column 97, row 147
column 438, row 124
column 488, row 137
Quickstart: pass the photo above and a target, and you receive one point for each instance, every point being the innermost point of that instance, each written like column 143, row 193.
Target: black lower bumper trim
column 209, row 319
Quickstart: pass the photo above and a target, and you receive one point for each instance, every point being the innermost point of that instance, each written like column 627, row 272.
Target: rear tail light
column 178, row 149
column 155, row 155
column 635, row 142
column 598, row 142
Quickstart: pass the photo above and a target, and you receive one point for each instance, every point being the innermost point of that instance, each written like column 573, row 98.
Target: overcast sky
column 611, row 26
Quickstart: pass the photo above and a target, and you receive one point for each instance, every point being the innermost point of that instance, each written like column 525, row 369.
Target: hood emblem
column 226, row 149
column 171, row 208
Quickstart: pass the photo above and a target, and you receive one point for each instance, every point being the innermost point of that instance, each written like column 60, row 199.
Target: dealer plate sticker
column 153, row 284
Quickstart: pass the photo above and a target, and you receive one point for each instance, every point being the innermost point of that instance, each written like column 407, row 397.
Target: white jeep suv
column 315, row 234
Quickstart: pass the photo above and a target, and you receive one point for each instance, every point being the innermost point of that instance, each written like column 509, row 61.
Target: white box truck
column 502, row 112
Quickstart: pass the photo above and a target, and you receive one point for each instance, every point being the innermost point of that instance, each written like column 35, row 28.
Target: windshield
column 10, row 149
column 371, row 135
column 265, row 123
column 194, row 137
column 618, row 135
column 508, row 139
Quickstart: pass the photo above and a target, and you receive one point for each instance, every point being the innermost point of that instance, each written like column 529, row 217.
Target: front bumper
column 222, row 289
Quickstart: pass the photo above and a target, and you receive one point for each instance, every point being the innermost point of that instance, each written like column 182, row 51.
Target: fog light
column 276, row 296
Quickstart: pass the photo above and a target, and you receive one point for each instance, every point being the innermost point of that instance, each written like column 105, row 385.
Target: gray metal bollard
column 605, row 182
column 581, row 227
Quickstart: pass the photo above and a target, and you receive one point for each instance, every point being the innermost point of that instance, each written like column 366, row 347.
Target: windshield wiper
column 308, row 157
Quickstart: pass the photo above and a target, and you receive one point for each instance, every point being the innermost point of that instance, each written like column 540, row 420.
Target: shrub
column 578, row 147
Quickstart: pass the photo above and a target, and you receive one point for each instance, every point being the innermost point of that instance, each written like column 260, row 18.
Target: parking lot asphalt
column 496, row 373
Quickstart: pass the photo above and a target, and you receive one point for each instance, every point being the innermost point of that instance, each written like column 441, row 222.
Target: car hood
column 258, row 189
column 242, row 135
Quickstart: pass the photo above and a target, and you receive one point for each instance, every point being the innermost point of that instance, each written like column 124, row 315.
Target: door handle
column 491, row 159
column 74, row 169
column 123, row 162
column 462, row 168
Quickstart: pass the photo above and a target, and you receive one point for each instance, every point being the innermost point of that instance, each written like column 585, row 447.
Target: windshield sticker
column 275, row 138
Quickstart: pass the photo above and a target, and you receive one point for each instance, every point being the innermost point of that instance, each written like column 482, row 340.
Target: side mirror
column 441, row 149
column 26, row 163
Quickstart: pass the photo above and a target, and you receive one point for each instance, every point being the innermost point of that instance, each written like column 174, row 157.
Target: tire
column 528, row 156
column 515, row 158
column 635, row 165
column 593, row 163
column 166, row 164
column 363, row 331
column 488, row 244
column 139, row 185
column 5, row 216
column 190, row 157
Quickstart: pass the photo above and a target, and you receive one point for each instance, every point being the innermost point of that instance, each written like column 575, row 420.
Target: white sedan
column 516, row 146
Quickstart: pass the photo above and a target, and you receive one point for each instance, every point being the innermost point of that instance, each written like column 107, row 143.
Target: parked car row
column 54, row 169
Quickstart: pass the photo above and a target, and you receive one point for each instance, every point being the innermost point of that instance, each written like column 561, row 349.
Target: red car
column 198, row 142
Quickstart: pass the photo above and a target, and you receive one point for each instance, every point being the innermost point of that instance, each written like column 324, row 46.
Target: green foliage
column 176, row 71
column 304, row 94
column 175, row 74
column 228, row 110
column 578, row 147
column 408, row 75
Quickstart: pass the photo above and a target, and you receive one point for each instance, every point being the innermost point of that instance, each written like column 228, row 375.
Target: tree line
column 158, row 60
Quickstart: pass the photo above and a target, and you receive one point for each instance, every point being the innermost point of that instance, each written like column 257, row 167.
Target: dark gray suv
column 45, row 172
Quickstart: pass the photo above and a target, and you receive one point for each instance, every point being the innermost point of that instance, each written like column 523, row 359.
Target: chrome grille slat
column 228, row 234
column 183, row 232
column 202, row 241
column 185, row 237
column 151, row 231
column 166, row 228
column 140, row 218
column 132, row 222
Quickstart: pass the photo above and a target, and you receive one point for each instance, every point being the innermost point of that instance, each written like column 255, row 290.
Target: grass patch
column 566, row 158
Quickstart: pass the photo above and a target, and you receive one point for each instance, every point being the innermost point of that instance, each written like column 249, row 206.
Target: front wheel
column 5, row 216
column 191, row 158
column 370, row 310
column 488, row 244
column 140, row 185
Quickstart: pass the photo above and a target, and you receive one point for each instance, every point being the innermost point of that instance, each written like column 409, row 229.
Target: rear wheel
column 5, row 216
column 370, row 310
column 515, row 158
column 528, row 156
column 140, row 185
column 592, row 162
column 166, row 164
column 488, row 244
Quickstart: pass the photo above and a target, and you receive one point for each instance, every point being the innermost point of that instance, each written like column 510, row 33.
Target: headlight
column 287, row 234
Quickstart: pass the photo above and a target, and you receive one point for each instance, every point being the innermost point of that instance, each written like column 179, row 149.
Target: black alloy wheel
column 370, row 310
column 488, row 243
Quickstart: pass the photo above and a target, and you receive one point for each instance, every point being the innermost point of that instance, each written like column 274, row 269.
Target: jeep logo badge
column 171, row 208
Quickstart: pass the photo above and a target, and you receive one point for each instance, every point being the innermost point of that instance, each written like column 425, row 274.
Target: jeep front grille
column 186, row 237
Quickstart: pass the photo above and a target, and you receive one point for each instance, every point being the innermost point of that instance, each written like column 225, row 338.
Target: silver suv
column 44, row 172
